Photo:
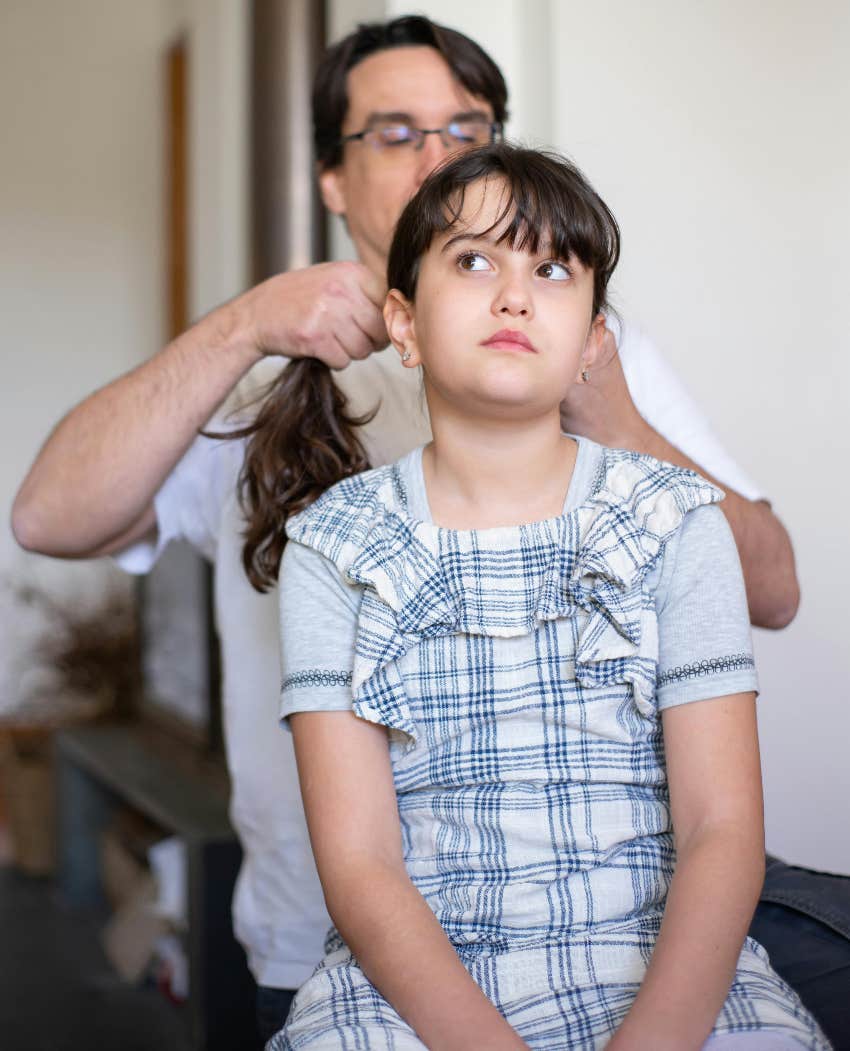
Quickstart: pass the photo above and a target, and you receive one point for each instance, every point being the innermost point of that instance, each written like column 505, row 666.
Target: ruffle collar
column 421, row 581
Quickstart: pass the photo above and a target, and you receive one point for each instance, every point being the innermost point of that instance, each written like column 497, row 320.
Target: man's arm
column 90, row 490
column 603, row 410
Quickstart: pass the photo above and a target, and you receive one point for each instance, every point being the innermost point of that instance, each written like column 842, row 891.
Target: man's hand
column 330, row 311
column 602, row 409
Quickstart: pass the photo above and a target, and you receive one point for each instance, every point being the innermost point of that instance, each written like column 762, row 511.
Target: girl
column 518, row 672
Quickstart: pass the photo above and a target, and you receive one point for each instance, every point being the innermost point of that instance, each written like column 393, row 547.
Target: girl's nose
column 513, row 300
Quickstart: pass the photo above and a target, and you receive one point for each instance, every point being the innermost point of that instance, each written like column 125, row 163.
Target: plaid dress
column 515, row 669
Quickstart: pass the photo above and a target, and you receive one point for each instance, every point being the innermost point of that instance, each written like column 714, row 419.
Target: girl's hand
column 716, row 807
column 352, row 814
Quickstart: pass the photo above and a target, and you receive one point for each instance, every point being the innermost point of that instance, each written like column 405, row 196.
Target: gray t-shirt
column 705, row 645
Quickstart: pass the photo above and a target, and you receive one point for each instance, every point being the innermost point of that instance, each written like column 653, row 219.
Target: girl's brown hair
column 303, row 440
column 543, row 196
column 300, row 443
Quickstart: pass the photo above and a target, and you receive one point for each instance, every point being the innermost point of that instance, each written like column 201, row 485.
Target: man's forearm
column 102, row 465
column 764, row 547
column 91, row 486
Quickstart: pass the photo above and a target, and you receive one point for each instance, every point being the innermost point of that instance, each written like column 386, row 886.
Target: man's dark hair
column 469, row 63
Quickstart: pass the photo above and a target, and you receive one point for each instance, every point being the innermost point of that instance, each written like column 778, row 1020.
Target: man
column 124, row 472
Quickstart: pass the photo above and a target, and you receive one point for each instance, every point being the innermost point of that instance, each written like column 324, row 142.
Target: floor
column 57, row 990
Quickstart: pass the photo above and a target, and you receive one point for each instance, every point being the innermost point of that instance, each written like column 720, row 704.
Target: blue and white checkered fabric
column 515, row 669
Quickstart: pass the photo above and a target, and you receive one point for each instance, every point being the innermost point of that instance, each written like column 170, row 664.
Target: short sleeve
column 318, row 624
column 704, row 637
column 190, row 502
column 666, row 405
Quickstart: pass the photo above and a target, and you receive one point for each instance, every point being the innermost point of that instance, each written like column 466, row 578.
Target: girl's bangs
column 546, row 201
column 538, row 210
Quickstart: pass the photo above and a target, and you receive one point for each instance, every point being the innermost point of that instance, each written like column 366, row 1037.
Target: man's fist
column 602, row 409
column 331, row 311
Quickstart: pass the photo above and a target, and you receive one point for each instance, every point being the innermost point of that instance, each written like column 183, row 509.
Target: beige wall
column 81, row 215
column 80, row 209
column 718, row 134
column 80, row 239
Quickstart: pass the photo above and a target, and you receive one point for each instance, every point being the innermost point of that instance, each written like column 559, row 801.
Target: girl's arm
column 716, row 804
column 350, row 803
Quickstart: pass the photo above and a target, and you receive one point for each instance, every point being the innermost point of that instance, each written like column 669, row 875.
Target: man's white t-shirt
column 279, row 913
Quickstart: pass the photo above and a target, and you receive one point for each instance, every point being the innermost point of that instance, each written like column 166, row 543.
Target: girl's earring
column 585, row 376
column 406, row 356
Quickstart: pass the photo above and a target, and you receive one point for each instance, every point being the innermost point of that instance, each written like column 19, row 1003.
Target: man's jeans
column 803, row 920
column 272, row 1009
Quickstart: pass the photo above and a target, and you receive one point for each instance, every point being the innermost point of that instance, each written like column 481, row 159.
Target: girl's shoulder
column 658, row 494
column 351, row 510
column 623, row 499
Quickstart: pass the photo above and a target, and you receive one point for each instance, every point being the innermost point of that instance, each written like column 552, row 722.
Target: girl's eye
column 554, row 271
column 472, row 261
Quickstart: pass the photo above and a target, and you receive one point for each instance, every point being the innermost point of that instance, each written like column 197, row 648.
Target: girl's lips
column 508, row 337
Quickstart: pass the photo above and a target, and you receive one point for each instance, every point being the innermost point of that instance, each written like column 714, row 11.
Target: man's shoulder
column 382, row 386
column 382, row 368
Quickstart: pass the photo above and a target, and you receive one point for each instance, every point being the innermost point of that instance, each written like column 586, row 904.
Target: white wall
column 718, row 135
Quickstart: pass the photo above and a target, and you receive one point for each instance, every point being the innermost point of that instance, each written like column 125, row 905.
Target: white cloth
column 279, row 914
column 665, row 404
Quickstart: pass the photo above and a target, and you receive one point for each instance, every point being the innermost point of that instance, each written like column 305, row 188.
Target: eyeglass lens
column 458, row 133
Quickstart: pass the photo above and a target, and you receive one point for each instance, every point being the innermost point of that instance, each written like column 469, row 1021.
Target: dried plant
column 90, row 654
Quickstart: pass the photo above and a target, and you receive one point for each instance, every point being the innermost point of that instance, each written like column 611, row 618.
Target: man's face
column 411, row 85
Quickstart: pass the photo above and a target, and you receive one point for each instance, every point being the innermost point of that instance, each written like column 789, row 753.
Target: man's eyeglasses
column 394, row 135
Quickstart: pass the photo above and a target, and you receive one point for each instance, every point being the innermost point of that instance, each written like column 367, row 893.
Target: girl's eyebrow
column 466, row 236
column 543, row 248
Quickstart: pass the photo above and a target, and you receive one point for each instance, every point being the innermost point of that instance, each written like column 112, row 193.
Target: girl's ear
column 592, row 348
column 401, row 328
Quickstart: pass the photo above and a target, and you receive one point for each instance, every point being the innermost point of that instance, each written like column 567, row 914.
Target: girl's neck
column 483, row 473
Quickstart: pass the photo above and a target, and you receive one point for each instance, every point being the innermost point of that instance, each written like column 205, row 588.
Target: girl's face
column 499, row 333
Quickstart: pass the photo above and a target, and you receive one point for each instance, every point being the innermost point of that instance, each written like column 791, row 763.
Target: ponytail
column 301, row 442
